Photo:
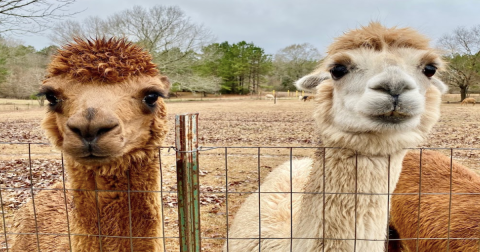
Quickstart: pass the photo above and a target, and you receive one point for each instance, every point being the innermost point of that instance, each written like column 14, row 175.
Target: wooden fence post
column 186, row 143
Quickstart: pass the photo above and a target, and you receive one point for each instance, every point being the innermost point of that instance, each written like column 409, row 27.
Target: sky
column 276, row 24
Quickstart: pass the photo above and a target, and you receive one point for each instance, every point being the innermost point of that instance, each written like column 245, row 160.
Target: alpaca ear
column 311, row 81
column 166, row 82
column 440, row 85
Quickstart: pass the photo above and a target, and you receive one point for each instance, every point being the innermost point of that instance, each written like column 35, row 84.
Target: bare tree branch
column 31, row 16
column 170, row 36
column 293, row 62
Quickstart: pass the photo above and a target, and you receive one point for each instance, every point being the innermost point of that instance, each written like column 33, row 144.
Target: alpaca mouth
column 93, row 158
column 92, row 153
column 392, row 117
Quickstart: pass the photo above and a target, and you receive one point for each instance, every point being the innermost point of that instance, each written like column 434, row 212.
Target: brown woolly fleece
column 112, row 61
column 102, row 213
column 433, row 222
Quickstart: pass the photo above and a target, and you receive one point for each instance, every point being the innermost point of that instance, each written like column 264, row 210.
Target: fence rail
column 13, row 106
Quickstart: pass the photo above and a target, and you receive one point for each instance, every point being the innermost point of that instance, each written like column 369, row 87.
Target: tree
column 196, row 83
column 24, row 16
column 165, row 31
column 241, row 66
column 48, row 51
column 91, row 27
column 293, row 62
column 463, row 54
column 21, row 69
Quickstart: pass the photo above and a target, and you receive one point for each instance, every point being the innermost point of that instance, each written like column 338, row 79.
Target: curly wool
column 109, row 61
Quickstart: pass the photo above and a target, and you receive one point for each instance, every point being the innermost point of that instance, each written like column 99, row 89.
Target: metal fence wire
column 201, row 188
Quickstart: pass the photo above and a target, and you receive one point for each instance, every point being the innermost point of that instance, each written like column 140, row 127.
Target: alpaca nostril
column 105, row 129
column 382, row 89
column 83, row 132
column 394, row 92
column 75, row 130
column 95, row 132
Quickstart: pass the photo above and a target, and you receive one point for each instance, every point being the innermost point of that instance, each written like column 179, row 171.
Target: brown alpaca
column 434, row 208
column 308, row 98
column 106, row 116
column 468, row 100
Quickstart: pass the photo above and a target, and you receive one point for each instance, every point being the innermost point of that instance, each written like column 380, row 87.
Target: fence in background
column 13, row 107
column 30, row 104
column 200, row 209
column 16, row 105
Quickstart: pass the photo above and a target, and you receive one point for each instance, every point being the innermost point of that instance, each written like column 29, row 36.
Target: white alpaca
column 376, row 96
column 269, row 97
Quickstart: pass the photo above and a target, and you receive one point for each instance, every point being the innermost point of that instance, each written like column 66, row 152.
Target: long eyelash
column 46, row 90
column 156, row 91
column 160, row 94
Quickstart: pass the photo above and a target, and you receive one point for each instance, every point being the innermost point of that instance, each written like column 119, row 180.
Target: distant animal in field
column 468, row 100
column 269, row 97
column 307, row 98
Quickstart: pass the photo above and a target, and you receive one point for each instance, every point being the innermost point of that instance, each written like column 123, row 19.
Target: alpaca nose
column 393, row 89
column 91, row 132
column 90, row 126
column 393, row 82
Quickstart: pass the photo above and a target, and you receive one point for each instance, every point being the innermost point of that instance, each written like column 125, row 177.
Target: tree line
column 187, row 52
column 22, row 69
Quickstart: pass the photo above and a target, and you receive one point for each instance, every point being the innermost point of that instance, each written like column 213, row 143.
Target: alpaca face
column 381, row 91
column 378, row 91
column 95, row 123
column 105, row 100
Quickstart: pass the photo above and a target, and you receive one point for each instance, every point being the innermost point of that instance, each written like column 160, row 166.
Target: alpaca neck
column 350, row 211
column 119, row 212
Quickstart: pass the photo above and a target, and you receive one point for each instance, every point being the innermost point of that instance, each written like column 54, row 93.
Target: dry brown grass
column 246, row 124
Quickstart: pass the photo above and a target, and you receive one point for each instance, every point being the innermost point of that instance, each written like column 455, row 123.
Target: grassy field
column 242, row 125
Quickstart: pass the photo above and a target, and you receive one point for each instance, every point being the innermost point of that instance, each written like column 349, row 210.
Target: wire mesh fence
column 227, row 176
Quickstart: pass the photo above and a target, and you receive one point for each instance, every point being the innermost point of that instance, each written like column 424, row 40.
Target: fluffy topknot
column 378, row 37
column 110, row 61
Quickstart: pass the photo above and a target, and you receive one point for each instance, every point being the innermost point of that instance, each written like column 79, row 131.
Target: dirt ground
column 249, row 138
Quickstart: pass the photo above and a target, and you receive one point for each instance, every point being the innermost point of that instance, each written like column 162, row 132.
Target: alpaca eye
column 52, row 99
column 150, row 99
column 338, row 71
column 429, row 70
